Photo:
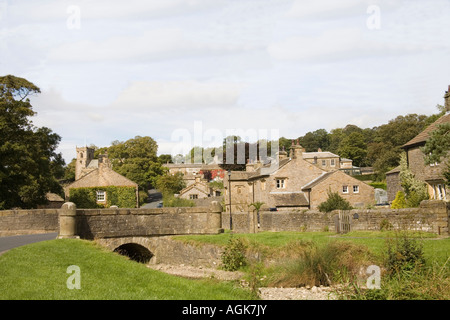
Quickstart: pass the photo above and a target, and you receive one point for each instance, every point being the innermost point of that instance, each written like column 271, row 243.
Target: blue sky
column 112, row 70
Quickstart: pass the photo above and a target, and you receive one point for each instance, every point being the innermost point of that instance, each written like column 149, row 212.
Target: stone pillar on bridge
column 215, row 218
column 67, row 221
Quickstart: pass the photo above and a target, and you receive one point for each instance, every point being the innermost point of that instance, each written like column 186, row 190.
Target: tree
column 312, row 141
column 437, row 148
column 257, row 205
column 29, row 164
column 354, row 147
column 136, row 159
column 415, row 190
column 169, row 184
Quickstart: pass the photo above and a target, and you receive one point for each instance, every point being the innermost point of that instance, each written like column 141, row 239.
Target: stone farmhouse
column 300, row 181
column 97, row 173
column 200, row 189
column 432, row 174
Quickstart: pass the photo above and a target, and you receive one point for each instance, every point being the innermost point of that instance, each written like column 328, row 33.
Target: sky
column 191, row 72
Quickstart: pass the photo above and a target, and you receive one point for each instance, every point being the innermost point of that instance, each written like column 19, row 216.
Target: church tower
column 84, row 157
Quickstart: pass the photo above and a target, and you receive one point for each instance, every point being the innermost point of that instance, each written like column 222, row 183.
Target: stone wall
column 32, row 221
column 431, row 216
column 106, row 223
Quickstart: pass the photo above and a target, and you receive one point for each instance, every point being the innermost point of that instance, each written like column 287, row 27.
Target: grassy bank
column 292, row 259
column 39, row 271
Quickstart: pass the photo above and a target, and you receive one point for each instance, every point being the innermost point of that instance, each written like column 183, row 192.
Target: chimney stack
column 296, row 150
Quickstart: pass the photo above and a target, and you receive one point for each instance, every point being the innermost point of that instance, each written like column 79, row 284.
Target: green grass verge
column 436, row 249
column 39, row 271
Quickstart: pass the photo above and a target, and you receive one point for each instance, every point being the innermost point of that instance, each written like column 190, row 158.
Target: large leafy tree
column 354, row 147
column 29, row 163
column 136, row 159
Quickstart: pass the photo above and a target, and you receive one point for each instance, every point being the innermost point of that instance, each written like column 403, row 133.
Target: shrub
column 233, row 257
column 172, row 201
column 404, row 254
column 399, row 202
column 334, row 202
column 385, row 225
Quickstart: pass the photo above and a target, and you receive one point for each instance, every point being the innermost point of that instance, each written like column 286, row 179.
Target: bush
column 172, row 201
column 404, row 254
column 334, row 202
column 385, row 225
column 399, row 201
column 233, row 257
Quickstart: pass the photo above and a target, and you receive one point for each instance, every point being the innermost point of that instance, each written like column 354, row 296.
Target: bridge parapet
column 143, row 222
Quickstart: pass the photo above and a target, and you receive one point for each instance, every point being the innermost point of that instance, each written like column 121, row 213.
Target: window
column 344, row 189
column 332, row 162
column 280, row 184
column 101, row 196
column 355, row 189
column 439, row 192
column 193, row 196
column 324, row 163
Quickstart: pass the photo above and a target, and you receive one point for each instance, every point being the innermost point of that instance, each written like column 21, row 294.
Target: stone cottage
column 200, row 189
column 292, row 183
column 432, row 174
column 98, row 173
column 191, row 171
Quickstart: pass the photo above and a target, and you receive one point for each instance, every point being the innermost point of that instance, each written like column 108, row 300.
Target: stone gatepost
column 67, row 221
column 215, row 218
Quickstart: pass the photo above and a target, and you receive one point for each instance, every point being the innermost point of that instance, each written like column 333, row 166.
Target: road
column 7, row 243
column 154, row 198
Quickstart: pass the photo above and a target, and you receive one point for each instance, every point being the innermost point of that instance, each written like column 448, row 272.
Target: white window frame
column 101, row 196
column 193, row 196
column 356, row 189
column 281, row 183
column 324, row 163
column 345, row 189
column 332, row 162
column 439, row 191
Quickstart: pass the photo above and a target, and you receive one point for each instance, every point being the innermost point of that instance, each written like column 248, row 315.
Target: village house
column 98, row 174
column 200, row 189
column 191, row 171
column 294, row 183
column 432, row 174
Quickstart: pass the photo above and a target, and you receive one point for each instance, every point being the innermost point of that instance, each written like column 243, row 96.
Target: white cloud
column 170, row 96
column 51, row 10
column 344, row 43
column 326, row 8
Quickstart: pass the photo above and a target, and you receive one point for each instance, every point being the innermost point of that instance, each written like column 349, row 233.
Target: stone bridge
column 138, row 233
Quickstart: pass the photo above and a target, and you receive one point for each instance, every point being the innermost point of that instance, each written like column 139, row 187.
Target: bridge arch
column 140, row 249
column 135, row 252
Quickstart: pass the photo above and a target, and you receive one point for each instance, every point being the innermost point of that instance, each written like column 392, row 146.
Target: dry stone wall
column 431, row 216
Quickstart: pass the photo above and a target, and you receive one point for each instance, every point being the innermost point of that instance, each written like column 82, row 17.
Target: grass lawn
column 435, row 249
column 39, row 271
